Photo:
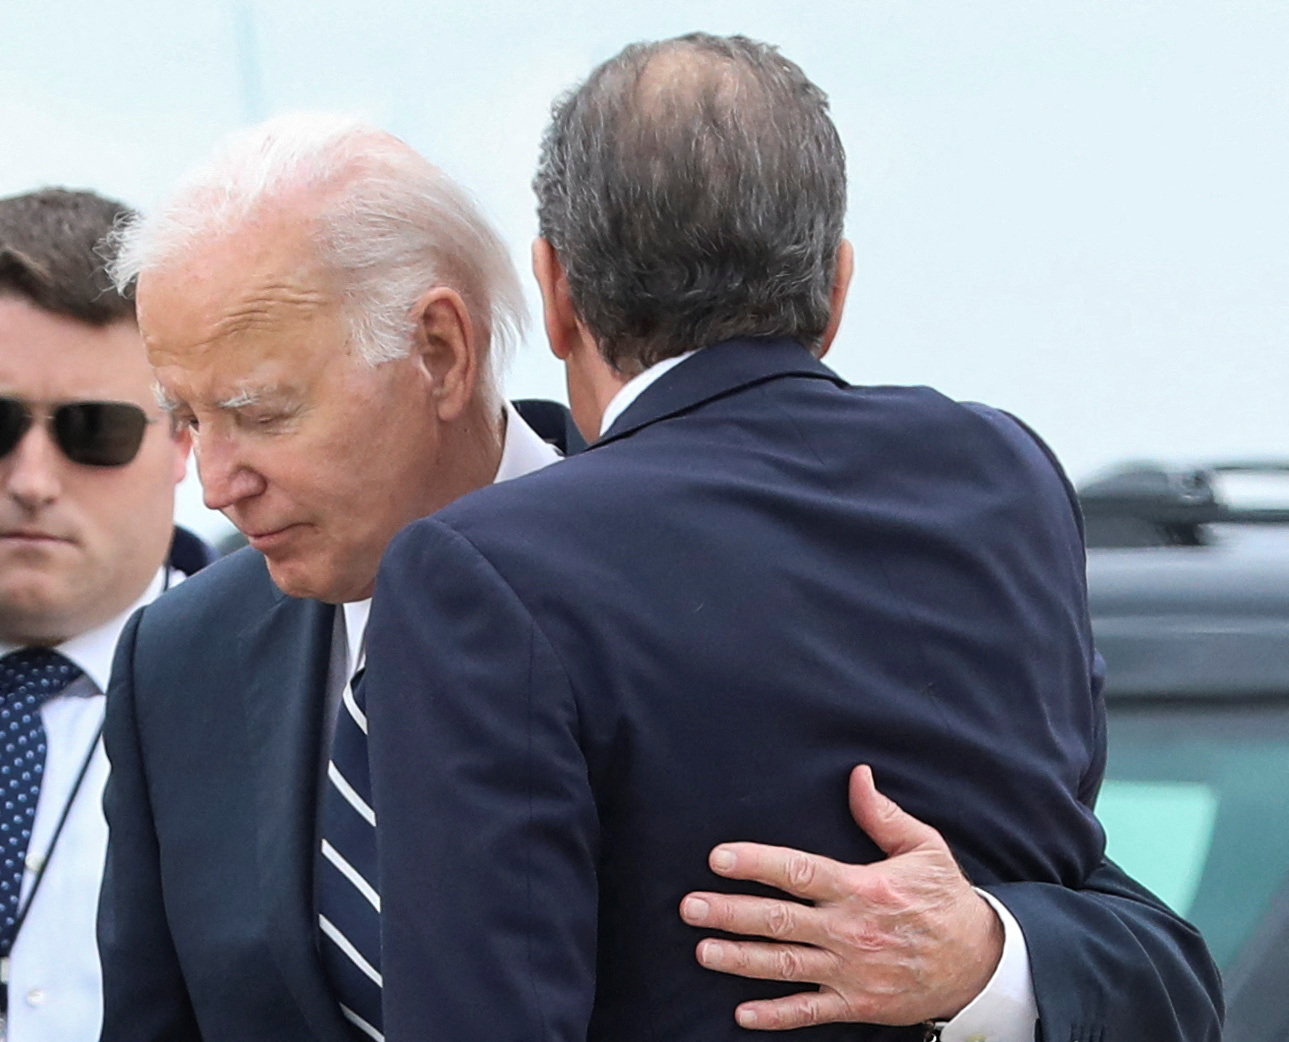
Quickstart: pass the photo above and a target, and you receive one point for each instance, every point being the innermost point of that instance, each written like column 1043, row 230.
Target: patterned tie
column 27, row 678
column 348, row 904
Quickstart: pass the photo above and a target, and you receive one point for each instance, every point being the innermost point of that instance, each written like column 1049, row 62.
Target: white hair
column 389, row 224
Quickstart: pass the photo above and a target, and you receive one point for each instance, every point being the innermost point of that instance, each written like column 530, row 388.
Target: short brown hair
column 49, row 254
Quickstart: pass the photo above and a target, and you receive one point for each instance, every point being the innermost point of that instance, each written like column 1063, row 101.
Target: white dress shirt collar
column 633, row 388
column 522, row 449
column 355, row 613
column 92, row 651
column 522, row 452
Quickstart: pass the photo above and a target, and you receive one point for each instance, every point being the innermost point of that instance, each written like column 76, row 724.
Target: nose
column 226, row 478
column 33, row 470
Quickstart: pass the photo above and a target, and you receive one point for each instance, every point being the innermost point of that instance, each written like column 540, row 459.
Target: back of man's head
column 694, row 190
column 49, row 243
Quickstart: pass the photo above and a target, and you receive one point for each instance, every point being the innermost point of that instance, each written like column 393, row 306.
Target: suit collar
column 190, row 554
column 714, row 372
column 523, row 450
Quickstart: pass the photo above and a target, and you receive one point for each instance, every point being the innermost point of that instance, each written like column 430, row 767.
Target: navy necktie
column 27, row 678
column 348, row 904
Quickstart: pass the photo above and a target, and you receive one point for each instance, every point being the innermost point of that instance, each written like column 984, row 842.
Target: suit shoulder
column 224, row 590
column 969, row 426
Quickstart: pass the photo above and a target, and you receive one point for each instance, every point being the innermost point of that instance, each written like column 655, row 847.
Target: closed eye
column 267, row 420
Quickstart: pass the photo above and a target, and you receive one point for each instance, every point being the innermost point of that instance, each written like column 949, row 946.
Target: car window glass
column 1210, row 830
column 1161, row 833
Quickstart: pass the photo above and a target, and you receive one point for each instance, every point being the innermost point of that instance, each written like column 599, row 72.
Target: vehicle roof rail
column 1146, row 504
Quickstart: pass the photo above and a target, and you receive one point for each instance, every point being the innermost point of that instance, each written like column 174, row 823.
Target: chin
column 316, row 585
column 31, row 621
column 295, row 581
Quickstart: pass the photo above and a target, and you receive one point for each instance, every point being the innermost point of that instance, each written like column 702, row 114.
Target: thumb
column 886, row 824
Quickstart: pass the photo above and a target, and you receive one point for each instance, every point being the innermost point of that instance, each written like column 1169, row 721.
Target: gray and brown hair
column 694, row 190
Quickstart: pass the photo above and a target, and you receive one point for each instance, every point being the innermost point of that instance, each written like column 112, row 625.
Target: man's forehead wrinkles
column 291, row 293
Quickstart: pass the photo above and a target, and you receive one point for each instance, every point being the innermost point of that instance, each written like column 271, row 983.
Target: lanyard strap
column 39, row 871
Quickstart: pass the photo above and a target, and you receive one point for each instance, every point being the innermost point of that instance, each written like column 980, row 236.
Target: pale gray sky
column 1073, row 209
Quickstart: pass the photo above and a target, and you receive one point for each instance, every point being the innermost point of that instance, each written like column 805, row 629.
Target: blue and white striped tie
column 348, row 904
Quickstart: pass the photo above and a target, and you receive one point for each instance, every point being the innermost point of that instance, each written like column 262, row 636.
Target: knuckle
column 885, row 890
column 720, row 914
column 800, row 871
column 780, row 920
column 787, row 964
column 860, row 936
column 809, row 1010
column 881, row 891
column 791, row 1012
column 735, row 958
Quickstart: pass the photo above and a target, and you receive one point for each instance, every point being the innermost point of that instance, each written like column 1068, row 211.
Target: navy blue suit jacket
column 214, row 730
column 580, row 681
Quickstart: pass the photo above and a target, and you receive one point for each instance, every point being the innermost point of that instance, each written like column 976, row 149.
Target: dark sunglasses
column 96, row 434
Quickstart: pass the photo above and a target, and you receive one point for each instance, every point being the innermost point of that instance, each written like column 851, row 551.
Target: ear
column 840, row 285
column 445, row 348
column 563, row 331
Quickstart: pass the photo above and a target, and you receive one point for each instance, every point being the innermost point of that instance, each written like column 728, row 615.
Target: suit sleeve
column 1111, row 962
column 144, row 996
column 487, row 831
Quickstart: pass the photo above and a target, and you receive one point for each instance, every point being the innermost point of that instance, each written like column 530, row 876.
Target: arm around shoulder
column 1110, row 961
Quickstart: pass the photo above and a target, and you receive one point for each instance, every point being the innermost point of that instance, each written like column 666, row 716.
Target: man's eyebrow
column 243, row 397
column 163, row 400
column 240, row 399
column 267, row 394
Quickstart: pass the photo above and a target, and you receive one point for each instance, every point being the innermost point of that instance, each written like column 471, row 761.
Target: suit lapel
column 714, row 372
column 287, row 653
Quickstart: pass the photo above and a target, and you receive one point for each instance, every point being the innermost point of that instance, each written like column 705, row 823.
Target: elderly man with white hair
column 326, row 312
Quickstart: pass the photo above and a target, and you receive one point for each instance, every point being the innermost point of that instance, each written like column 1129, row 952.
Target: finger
column 804, row 1009
column 757, row 916
column 808, row 876
column 765, row 961
column 890, row 827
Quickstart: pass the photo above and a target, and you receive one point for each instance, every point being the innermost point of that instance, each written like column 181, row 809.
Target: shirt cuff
column 1005, row 1011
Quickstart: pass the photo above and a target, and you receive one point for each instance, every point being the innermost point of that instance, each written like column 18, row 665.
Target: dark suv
column 1189, row 584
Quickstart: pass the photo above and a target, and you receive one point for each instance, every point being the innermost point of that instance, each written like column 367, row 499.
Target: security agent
column 88, row 468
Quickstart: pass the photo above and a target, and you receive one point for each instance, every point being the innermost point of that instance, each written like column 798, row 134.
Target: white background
column 1077, row 210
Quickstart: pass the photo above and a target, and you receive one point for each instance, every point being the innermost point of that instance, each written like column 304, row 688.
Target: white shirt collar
column 522, row 449
column 355, row 613
column 633, row 388
column 522, row 452
column 92, row 651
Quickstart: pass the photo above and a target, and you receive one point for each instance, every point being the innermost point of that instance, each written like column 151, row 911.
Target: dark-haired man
column 88, row 467
column 758, row 576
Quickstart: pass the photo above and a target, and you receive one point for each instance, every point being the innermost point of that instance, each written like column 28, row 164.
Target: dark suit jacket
column 579, row 681
column 214, row 731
